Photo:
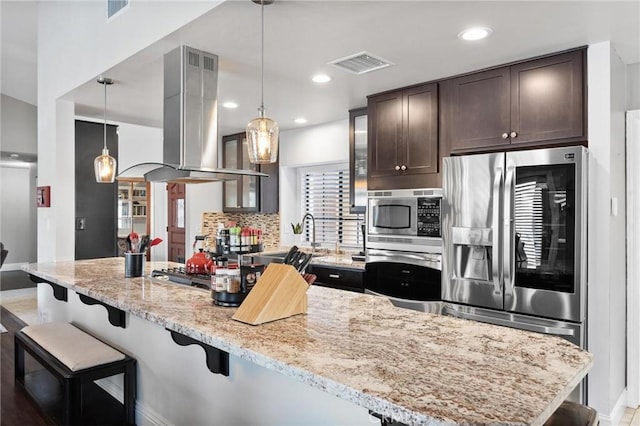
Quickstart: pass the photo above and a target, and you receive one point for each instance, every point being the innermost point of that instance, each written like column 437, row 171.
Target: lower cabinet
column 351, row 279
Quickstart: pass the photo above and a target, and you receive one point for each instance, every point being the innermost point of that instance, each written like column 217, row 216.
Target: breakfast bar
column 352, row 354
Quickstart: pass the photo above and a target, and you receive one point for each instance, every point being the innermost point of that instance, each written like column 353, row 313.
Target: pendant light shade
column 262, row 137
column 262, row 132
column 105, row 166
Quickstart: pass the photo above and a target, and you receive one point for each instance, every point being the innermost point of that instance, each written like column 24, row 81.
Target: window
column 115, row 6
column 325, row 194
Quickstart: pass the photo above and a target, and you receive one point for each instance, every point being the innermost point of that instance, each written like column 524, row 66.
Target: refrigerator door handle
column 556, row 331
column 495, row 256
column 508, row 233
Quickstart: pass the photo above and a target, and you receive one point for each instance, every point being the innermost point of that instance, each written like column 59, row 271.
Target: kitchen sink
column 274, row 257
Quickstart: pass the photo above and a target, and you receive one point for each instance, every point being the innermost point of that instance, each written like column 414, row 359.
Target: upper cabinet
column 358, row 160
column 534, row 103
column 248, row 193
column 403, row 138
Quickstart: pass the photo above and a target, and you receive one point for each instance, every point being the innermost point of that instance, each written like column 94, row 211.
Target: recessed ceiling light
column 230, row 105
column 300, row 120
column 475, row 33
column 321, row 78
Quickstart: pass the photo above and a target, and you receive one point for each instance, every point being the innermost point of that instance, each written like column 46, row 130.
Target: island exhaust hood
column 190, row 143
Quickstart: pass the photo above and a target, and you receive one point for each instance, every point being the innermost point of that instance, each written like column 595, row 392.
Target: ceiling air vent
column 361, row 63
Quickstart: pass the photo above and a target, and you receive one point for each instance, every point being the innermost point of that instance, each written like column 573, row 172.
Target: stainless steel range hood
column 190, row 145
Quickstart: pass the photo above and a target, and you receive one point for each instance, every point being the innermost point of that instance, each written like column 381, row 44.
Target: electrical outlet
column 44, row 316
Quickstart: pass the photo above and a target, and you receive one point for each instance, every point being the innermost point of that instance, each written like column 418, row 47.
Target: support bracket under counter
column 117, row 317
column 217, row 360
column 59, row 292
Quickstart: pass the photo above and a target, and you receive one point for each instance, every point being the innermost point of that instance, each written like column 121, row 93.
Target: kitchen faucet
column 313, row 236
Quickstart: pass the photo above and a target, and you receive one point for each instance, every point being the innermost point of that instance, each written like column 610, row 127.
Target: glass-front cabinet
column 242, row 194
column 358, row 159
column 133, row 208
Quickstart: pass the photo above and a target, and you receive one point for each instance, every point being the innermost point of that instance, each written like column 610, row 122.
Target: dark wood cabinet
column 529, row 104
column 351, row 279
column 403, row 147
column 248, row 193
column 358, row 159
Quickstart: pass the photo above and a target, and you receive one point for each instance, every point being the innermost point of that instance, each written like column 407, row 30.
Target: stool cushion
column 72, row 346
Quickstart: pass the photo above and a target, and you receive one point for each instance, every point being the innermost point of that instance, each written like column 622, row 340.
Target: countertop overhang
column 417, row 368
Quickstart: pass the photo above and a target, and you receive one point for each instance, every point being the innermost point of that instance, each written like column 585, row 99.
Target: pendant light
column 105, row 165
column 262, row 132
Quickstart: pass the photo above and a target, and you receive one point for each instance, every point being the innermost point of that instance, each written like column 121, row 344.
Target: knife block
column 280, row 292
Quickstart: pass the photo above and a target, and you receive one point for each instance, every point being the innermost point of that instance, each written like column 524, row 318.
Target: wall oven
column 405, row 220
column 409, row 280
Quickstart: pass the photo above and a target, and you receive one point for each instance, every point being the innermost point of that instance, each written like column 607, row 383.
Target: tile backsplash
column 268, row 222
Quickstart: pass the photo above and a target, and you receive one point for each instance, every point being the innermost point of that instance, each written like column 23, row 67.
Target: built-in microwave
column 405, row 219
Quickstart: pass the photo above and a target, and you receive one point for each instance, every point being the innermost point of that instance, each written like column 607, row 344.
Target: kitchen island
column 416, row 368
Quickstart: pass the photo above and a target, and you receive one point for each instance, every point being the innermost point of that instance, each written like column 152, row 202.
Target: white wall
column 18, row 224
column 18, row 213
column 606, row 239
column 633, row 86
column 138, row 144
column 69, row 55
column 309, row 146
column 200, row 198
column 19, row 130
column 633, row 258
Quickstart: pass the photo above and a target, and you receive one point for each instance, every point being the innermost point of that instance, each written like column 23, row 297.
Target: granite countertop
column 417, row 368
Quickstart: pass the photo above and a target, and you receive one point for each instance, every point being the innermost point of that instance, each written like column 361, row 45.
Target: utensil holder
column 133, row 264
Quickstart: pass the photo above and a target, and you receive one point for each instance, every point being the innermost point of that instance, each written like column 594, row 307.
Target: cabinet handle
column 513, row 134
column 505, row 135
column 335, row 276
column 397, row 168
column 403, row 168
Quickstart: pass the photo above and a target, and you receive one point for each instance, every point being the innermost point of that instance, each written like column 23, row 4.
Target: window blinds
column 325, row 194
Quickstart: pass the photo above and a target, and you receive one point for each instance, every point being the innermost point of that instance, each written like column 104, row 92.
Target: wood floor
column 16, row 407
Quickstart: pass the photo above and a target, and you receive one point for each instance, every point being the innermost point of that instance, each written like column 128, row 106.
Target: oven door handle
column 406, row 302
column 557, row 331
column 418, row 259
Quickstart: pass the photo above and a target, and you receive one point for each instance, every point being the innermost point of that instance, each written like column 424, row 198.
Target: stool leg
column 73, row 401
column 130, row 393
column 68, row 401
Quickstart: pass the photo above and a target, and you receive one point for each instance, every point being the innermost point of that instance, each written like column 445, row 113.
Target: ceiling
column 301, row 37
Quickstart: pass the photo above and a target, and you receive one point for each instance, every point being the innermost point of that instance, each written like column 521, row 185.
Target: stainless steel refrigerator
column 514, row 240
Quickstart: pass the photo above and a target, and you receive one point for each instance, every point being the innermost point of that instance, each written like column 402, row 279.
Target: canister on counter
column 234, row 283
column 250, row 275
column 222, row 279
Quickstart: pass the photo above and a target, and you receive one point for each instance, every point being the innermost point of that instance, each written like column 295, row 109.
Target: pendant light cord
column 262, row 57
column 105, row 114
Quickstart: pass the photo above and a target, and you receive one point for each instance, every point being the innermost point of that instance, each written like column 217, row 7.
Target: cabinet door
column 230, row 188
column 358, row 160
column 480, row 110
column 385, row 134
column 547, row 99
column 250, row 184
column 270, row 188
column 420, row 130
